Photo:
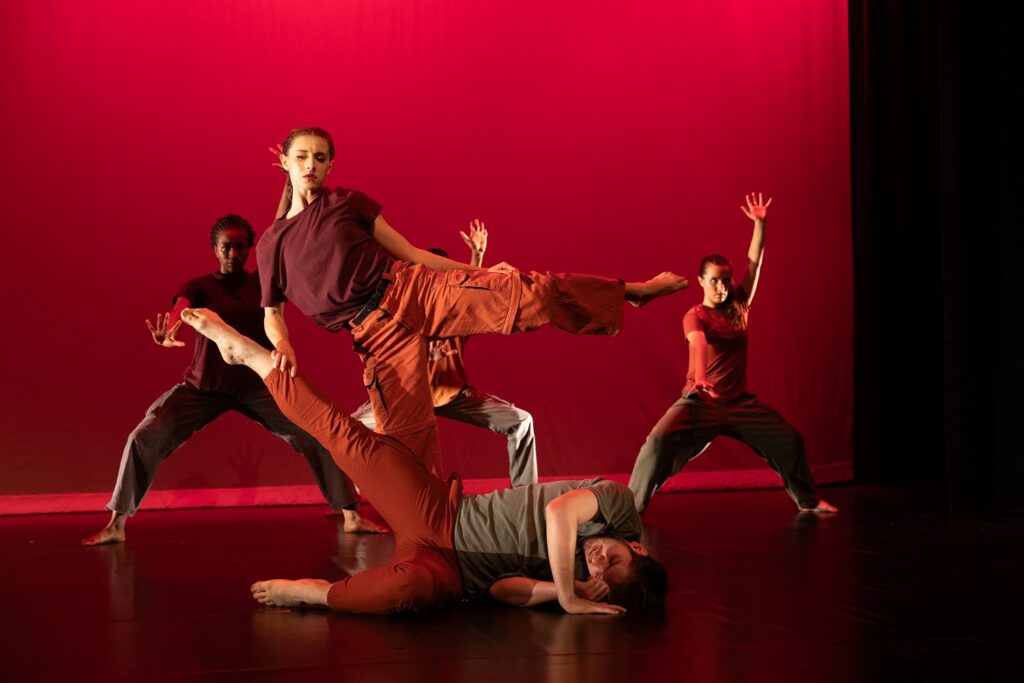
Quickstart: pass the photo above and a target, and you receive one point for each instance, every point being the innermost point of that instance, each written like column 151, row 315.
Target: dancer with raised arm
column 456, row 399
column 715, row 401
column 332, row 254
column 574, row 542
column 212, row 388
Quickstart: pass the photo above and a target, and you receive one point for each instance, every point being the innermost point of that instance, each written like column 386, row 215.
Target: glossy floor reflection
column 891, row 588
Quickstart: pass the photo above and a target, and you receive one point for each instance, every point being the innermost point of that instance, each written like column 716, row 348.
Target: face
column 610, row 557
column 716, row 282
column 232, row 250
column 308, row 162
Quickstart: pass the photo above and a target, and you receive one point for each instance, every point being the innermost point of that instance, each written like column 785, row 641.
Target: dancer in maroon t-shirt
column 332, row 254
column 715, row 401
column 211, row 387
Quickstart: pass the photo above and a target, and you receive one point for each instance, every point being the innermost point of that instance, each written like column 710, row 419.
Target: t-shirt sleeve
column 365, row 210
column 691, row 323
column 616, row 506
column 270, row 292
column 192, row 292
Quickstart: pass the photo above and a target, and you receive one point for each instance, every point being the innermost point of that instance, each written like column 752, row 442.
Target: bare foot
column 642, row 293
column 108, row 534
column 285, row 593
column 357, row 524
column 822, row 508
column 233, row 347
column 113, row 532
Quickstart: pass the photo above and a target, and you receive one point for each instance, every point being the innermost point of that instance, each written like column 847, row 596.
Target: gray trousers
column 690, row 425
column 484, row 410
column 184, row 410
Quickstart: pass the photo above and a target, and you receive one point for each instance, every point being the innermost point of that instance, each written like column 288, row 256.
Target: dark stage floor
column 891, row 588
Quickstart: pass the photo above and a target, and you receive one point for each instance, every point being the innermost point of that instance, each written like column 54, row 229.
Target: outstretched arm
column 757, row 211
column 277, row 332
column 563, row 516
column 402, row 249
column 476, row 240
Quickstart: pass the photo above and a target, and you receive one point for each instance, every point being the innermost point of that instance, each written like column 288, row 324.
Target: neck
column 302, row 199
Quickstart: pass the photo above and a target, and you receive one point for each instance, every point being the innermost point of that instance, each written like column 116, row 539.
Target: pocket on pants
column 373, row 389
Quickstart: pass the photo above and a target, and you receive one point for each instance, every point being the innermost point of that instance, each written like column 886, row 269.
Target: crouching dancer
column 520, row 545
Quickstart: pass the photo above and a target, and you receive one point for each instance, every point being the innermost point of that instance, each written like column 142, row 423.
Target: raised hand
column 756, row 208
column 476, row 240
column 161, row 334
column 277, row 150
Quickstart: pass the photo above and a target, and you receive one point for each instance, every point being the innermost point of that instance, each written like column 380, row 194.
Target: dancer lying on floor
column 519, row 545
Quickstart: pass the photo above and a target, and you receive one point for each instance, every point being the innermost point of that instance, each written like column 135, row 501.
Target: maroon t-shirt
column 727, row 349
column 324, row 260
column 236, row 298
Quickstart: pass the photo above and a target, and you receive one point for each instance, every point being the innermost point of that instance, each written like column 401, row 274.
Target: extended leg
column 169, row 422
column 422, row 303
column 682, row 434
column 768, row 433
column 485, row 410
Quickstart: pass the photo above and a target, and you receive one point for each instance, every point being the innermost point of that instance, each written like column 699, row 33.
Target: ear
column 330, row 165
column 638, row 549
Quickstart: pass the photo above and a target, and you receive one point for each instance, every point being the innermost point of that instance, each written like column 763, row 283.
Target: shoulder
column 695, row 316
column 203, row 282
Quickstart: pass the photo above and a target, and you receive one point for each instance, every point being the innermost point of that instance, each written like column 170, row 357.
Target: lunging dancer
column 212, row 388
column 519, row 545
column 333, row 255
column 715, row 401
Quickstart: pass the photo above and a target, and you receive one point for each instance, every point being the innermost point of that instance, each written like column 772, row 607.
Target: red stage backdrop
column 606, row 137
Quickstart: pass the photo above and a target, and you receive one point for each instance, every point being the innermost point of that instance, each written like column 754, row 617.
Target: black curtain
column 938, row 252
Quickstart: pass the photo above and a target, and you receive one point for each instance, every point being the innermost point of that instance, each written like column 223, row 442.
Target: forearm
column 756, row 251
column 179, row 305
column 522, row 591
column 286, row 199
column 275, row 326
column 561, row 537
column 432, row 260
column 698, row 356
column 563, row 516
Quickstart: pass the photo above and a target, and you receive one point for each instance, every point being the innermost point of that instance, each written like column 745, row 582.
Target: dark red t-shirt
column 727, row 349
column 236, row 298
column 324, row 260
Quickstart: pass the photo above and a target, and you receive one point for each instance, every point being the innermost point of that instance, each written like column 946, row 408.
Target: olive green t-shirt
column 504, row 533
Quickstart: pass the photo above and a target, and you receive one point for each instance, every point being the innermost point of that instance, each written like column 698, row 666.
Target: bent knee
column 412, row 588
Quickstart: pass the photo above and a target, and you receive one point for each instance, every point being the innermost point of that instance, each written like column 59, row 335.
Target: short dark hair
column 439, row 251
column 227, row 223
column 646, row 587
column 315, row 132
